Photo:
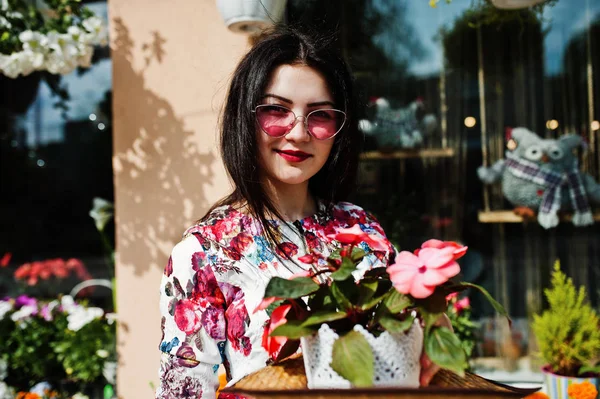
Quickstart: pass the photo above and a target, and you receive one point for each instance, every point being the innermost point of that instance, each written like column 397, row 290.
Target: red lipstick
column 293, row 156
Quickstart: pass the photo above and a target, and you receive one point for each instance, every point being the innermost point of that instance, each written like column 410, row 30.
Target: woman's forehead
column 298, row 84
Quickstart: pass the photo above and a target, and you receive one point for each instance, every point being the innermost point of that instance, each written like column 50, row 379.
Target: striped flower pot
column 557, row 385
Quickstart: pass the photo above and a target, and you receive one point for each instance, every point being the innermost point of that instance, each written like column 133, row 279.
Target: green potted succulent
column 568, row 336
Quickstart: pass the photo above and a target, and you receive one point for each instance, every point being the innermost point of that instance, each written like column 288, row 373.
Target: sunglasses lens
column 325, row 123
column 274, row 120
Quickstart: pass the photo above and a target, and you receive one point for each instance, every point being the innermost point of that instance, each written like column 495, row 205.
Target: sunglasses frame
column 254, row 111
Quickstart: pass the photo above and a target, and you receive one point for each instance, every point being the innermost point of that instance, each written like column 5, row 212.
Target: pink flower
column 459, row 250
column 273, row 345
column 355, row 236
column 188, row 316
column 418, row 275
column 462, row 305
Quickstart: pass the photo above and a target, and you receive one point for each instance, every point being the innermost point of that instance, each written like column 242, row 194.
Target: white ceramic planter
column 251, row 16
column 396, row 358
column 515, row 4
column 557, row 385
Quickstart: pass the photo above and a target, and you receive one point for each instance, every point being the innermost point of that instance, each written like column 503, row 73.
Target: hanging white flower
column 82, row 316
column 24, row 313
column 68, row 304
column 4, row 23
column 6, row 392
column 3, row 370
column 4, row 5
column 40, row 388
column 79, row 395
column 109, row 371
column 5, row 307
column 102, row 212
column 97, row 29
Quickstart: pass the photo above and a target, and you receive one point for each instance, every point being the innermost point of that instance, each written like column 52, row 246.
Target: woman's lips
column 293, row 156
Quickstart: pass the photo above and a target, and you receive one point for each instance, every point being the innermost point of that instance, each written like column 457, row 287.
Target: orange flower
column 28, row 395
column 584, row 390
column 537, row 395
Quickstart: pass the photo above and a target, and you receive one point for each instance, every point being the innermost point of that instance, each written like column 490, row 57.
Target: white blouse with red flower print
column 216, row 277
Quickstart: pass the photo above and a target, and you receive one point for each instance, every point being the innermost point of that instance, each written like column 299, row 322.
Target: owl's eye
column 555, row 153
column 534, row 153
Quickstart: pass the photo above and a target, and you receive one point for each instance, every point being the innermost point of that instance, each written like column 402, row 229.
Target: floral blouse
column 215, row 278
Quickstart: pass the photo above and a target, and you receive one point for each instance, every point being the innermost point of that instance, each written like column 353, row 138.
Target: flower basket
column 557, row 386
column 396, row 358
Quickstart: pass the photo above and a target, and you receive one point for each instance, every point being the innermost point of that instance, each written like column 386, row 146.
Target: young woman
column 290, row 143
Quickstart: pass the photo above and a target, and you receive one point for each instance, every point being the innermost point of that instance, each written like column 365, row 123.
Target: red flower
column 187, row 316
column 5, row 259
column 355, row 236
column 287, row 249
column 232, row 254
column 273, row 345
column 462, row 304
column 241, row 242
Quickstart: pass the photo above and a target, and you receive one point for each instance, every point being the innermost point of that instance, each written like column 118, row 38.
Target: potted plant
column 568, row 336
column 57, row 348
column 368, row 328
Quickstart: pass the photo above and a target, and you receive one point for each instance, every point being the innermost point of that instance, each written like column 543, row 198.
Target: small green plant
column 568, row 333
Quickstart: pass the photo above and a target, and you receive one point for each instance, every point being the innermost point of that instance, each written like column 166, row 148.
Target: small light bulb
column 92, row 117
column 101, row 126
column 595, row 125
column 552, row 124
column 470, row 121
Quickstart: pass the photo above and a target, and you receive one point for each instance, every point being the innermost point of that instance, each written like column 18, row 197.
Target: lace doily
column 396, row 358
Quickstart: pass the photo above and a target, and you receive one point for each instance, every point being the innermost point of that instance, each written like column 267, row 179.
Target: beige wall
column 171, row 64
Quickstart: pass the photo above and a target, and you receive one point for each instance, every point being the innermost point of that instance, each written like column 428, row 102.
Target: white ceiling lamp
column 251, row 16
column 515, row 4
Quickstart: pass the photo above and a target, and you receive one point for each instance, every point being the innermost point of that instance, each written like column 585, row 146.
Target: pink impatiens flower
column 419, row 274
column 355, row 236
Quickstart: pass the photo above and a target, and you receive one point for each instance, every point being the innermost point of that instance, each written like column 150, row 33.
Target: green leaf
column 296, row 288
column 495, row 304
column 357, row 254
column 345, row 270
column 444, row 349
column 589, row 369
column 338, row 296
column 396, row 302
column 352, row 358
column 292, row 329
column 323, row 317
column 394, row 325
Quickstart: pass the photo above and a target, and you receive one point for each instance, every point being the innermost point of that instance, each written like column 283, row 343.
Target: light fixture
column 92, row 117
column 251, row 16
column 595, row 125
column 101, row 126
column 552, row 124
column 470, row 121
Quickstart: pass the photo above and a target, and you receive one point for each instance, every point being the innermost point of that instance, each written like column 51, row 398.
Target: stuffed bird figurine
column 543, row 176
column 398, row 128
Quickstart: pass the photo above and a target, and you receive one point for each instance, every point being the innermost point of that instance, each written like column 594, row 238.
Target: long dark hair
column 284, row 45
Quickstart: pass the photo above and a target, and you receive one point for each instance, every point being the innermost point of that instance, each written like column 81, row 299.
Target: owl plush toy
column 542, row 175
column 398, row 128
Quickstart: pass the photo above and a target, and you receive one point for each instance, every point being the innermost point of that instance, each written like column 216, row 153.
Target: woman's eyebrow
column 286, row 100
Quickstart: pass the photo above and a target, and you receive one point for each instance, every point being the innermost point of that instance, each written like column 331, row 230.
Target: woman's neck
column 293, row 202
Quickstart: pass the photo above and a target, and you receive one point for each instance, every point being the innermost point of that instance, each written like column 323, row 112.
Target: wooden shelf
column 510, row 217
column 407, row 154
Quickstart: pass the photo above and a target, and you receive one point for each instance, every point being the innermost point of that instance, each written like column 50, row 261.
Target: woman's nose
column 299, row 131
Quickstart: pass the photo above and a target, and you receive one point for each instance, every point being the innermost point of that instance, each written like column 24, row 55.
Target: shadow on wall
column 158, row 168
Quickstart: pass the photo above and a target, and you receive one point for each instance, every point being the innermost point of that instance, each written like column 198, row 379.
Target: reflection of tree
column 569, row 100
column 158, row 170
column 376, row 37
